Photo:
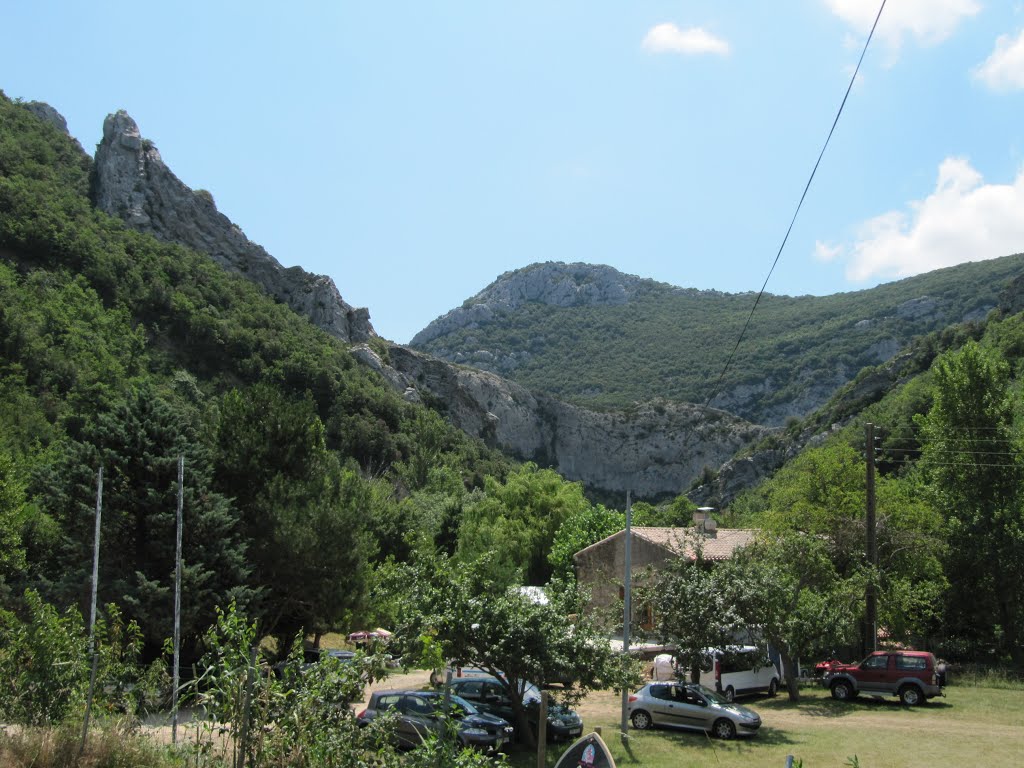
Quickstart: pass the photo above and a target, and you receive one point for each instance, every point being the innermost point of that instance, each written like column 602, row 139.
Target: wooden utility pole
column 871, row 612
column 627, row 609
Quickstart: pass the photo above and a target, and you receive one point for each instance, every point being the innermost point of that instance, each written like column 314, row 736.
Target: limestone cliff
column 654, row 449
column 132, row 182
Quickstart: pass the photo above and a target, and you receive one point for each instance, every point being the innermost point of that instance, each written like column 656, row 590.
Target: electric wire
column 746, row 325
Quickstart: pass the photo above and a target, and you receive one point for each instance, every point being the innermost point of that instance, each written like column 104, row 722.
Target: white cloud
column 826, row 252
column 963, row 220
column 929, row 22
column 1004, row 68
column 668, row 38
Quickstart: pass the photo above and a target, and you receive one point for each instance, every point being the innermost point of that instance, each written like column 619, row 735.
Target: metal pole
column 177, row 605
column 626, row 609
column 92, row 610
column 250, row 679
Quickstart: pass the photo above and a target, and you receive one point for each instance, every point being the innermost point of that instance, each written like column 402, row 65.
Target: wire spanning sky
column 414, row 151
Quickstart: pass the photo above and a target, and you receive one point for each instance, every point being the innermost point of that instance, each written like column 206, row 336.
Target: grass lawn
column 970, row 726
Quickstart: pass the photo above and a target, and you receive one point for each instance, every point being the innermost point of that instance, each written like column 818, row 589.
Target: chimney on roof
column 704, row 522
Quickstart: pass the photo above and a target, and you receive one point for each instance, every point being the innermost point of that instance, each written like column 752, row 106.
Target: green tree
column 517, row 521
column 578, row 531
column 822, row 494
column 12, row 506
column 786, row 587
column 138, row 443
column 693, row 608
column 303, row 516
column 455, row 612
column 43, row 662
column 971, row 458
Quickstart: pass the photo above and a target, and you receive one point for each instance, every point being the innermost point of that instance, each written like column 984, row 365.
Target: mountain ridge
column 658, row 340
column 656, row 446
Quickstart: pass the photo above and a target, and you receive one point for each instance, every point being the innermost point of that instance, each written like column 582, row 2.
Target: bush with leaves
column 43, row 663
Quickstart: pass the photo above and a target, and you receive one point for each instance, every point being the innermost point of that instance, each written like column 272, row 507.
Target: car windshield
column 460, row 707
column 707, row 693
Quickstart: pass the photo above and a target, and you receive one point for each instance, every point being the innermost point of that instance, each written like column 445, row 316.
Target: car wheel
column 773, row 688
column 641, row 720
column 724, row 729
column 911, row 696
column 730, row 694
column 842, row 690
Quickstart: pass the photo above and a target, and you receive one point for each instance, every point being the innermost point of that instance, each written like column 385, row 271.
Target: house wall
column 601, row 568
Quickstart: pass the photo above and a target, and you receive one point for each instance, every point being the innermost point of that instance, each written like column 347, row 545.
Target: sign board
column 587, row 752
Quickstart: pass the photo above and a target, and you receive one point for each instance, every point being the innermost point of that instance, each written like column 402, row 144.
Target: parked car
column 739, row 670
column 911, row 675
column 693, row 707
column 420, row 713
column 822, row 667
column 488, row 695
column 438, row 676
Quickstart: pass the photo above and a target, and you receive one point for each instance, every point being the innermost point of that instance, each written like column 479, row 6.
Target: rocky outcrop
column 48, row 114
column 132, row 182
column 654, row 450
column 552, row 283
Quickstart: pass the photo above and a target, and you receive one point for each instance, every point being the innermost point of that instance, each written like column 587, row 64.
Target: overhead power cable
column 799, row 205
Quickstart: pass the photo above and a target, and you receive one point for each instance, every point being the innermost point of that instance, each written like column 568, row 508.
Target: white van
column 739, row 670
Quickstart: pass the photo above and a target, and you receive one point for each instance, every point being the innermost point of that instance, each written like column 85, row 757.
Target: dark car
column 692, row 707
column 421, row 713
column 914, row 676
column 488, row 695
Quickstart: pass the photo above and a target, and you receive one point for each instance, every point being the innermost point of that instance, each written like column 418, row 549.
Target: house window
column 643, row 615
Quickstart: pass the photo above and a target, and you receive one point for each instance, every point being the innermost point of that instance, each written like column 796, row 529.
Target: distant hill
column 602, row 339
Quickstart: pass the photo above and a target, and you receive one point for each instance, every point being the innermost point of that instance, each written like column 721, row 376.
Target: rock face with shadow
column 132, row 182
column 654, row 449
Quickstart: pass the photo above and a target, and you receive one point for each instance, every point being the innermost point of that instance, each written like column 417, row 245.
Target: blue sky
column 414, row 151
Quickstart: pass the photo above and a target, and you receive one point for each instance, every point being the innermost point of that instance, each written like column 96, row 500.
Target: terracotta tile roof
column 679, row 541
column 719, row 546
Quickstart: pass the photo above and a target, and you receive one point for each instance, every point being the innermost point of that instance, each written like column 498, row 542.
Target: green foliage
column 672, row 343
column 117, row 347
column 123, row 685
column 693, row 608
column 578, row 531
column 787, row 586
column 473, row 621
column 43, row 662
column 305, row 718
column 138, row 443
column 971, row 459
column 301, row 515
column 12, row 515
column 515, row 523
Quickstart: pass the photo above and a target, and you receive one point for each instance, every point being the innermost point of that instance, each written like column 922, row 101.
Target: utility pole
column 871, row 612
column 626, row 611
column 92, row 609
column 177, row 603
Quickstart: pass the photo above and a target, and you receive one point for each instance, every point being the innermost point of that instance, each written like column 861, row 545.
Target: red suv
column 911, row 675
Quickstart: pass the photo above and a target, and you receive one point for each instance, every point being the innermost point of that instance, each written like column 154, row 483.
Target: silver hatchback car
column 693, row 707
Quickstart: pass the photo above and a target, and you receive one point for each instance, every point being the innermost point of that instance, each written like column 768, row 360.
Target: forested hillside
column 308, row 480
column 652, row 340
column 302, row 468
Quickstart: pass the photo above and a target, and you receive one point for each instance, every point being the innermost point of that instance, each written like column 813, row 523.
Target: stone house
column 601, row 566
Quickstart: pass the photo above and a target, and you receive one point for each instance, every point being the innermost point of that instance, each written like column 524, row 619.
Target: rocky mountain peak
column 553, row 283
column 132, row 182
